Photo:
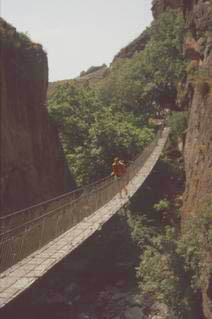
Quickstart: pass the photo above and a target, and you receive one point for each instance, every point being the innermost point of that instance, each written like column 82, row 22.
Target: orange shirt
column 118, row 168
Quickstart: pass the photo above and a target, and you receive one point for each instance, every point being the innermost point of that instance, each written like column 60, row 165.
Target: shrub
column 178, row 121
column 24, row 37
column 174, row 267
column 162, row 205
column 195, row 246
column 161, row 272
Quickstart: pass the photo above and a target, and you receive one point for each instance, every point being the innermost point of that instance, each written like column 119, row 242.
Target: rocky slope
column 32, row 162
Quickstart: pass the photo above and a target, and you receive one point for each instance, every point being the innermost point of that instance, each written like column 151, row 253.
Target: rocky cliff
column 198, row 147
column 32, row 161
column 198, row 93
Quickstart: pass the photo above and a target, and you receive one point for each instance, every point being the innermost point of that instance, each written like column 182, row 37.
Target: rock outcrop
column 159, row 6
column 136, row 45
column 32, row 161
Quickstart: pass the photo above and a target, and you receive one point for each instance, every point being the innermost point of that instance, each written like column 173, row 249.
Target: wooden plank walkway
column 19, row 277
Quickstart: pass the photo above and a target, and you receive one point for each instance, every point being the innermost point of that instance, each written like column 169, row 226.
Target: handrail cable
column 84, row 187
column 25, row 231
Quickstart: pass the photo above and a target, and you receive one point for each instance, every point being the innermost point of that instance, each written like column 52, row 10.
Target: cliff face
column 198, row 147
column 32, row 162
column 196, row 96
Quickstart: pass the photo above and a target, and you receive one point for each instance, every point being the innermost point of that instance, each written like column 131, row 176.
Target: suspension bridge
column 33, row 240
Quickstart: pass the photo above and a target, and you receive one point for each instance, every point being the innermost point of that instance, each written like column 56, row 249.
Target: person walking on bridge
column 118, row 170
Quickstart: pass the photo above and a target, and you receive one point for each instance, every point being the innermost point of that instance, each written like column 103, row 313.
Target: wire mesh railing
column 25, row 231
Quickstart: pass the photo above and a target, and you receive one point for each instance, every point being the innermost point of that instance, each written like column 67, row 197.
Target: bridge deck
column 19, row 277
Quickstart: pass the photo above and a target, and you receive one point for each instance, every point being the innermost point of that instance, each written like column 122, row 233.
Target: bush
column 195, row 246
column 161, row 272
column 24, row 37
column 178, row 121
column 174, row 266
column 162, row 205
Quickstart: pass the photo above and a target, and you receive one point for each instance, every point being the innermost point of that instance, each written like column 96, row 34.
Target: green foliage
column 92, row 134
column 201, row 78
column 195, row 246
column 192, row 70
column 163, row 58
column 174, row 265
column 156, row 198
column 13, row 39
column 112, row 119
column 24, row 37
column 72, row 110
column 162, row 205
column 161, row 274
column 178, row 121
column 164, row 273
column 149, row 80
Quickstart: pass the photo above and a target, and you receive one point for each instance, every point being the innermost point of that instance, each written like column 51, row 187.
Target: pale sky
column 78, row 33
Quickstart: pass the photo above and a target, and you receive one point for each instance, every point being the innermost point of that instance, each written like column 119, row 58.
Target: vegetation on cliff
column 13, row 39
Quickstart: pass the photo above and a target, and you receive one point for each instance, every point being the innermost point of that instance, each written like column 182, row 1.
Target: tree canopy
column 113, row 118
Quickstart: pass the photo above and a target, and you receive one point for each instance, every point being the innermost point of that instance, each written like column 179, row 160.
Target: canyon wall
column 198, row 147
column 32, row 161
column 196, row 91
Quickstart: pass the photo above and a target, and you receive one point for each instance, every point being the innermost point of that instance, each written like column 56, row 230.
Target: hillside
column 87, row 78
